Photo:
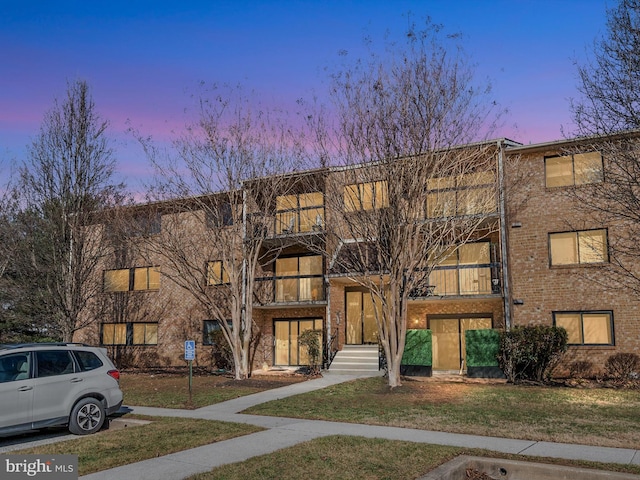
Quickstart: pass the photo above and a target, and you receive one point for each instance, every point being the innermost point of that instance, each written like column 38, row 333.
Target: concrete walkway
column 286, row 432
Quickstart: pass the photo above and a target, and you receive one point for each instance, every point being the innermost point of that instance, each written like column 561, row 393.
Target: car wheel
column 86, row 417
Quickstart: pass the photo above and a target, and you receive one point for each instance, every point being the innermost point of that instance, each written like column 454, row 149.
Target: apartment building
column 528, row 255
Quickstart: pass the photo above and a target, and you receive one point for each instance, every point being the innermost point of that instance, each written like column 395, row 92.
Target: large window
column 575, row 248
column 129, row 333
column 365, row 196
column 128, row 279
column 299, row 279
column 469, row 194
column 586, row 328
column 578, row 169
column 216, row 273
column 221, row 215
column 464, row 271
column 300, row 213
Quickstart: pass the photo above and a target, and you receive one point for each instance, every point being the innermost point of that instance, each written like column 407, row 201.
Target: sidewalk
column 286, row 432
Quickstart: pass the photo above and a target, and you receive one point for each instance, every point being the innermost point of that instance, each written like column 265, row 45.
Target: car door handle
column 76, row 380
column 25, row 389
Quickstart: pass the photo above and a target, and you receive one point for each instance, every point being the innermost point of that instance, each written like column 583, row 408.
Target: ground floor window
column 448, row 338
column 287, row 350
column 210, row 329
column 129, row 334
column 586, row 328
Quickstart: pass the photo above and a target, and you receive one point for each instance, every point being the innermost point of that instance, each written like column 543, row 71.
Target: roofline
column 569, row 142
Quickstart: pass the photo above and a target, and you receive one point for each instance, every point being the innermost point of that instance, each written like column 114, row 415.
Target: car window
column 87, row 360
column 53, row 362
column 15, row 366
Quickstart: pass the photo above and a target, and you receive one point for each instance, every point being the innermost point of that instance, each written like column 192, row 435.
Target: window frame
column 131, row 274
column 215, row 326
column 379, row 193
column 579, row 262
column 296, row 213
column 129, row 336
column 572, row 158
column 215, row 281
column 582, row 313
column 298, row 277
column 460, row 189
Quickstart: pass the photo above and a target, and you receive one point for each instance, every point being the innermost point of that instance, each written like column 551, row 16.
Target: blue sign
column 190, row 350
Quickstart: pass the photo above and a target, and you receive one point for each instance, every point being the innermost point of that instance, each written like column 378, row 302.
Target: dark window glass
column 88, row 361
column 54, row 362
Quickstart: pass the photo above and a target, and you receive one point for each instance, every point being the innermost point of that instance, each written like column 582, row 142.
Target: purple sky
column 143, row 58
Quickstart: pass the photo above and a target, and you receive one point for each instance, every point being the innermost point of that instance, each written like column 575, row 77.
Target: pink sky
column 143, row 59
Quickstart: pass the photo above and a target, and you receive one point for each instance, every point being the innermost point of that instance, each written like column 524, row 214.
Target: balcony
column 290, row 291
column 462, row 280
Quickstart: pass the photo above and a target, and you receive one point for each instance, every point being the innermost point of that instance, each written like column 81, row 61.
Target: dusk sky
column 143, row 59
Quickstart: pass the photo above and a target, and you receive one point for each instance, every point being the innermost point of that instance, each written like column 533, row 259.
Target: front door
column 361, row 320
column 287, row 349
column 448, row 339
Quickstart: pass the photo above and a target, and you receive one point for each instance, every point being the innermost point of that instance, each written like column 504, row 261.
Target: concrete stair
column 356, row 360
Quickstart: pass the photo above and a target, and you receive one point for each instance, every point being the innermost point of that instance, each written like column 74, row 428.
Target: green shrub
column 417, row 348
column 311, row 340
column 622, row 366
column 531, row 353
column 482, row 347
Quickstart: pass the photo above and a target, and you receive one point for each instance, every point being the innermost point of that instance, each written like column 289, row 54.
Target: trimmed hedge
column 417, row 348
column 482, row 347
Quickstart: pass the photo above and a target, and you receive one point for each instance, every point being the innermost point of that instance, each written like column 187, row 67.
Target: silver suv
column 52, row 384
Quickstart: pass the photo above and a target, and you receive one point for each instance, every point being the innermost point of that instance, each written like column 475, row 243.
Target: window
column 145, row 333
column 127, row 279
column 114, row 334
column 53, row 362
column 87, row 360
column 469, row 194
column 575, row 248
column 299, row 279
column 220, row 216
column 15, row 366
column 465, row 271
column 365, row 196
column 129, row 333
column 299, row 213
column 586, row 328
column 216, row 273
column 209, row 329
column 578, row 169
column 145, row 224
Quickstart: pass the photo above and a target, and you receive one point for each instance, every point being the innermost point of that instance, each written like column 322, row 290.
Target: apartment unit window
column 469, row 194
column 586, row 328
column 145, row 224
column 216, row 273
column 465, row 271
column 299, row 213
column 220, row 216
column 366, row 196
column 299, row 279
column 578, row 169
column 129, row 334
column 209, row 329
column 130, row 279
column 576, row 248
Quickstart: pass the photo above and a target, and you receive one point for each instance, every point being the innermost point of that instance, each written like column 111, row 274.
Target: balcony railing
column 286, row 290
column 462, row 280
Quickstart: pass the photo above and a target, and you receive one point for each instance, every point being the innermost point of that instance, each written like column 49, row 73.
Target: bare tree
column 213, row 234
column 605, row 113
column 407, row 197
column 67, row 178
column 609, row 82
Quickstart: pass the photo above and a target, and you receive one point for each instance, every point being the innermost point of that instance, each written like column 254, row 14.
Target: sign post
column 190, row 355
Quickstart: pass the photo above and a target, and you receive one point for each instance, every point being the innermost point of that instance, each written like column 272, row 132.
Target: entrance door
column 361, row 320
column 288, row 352
column 448, row 339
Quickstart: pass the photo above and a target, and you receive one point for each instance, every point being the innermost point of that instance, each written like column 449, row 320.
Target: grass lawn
column 361, row 458
column 112, row 448
column 605, row 417
column 172, row 391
